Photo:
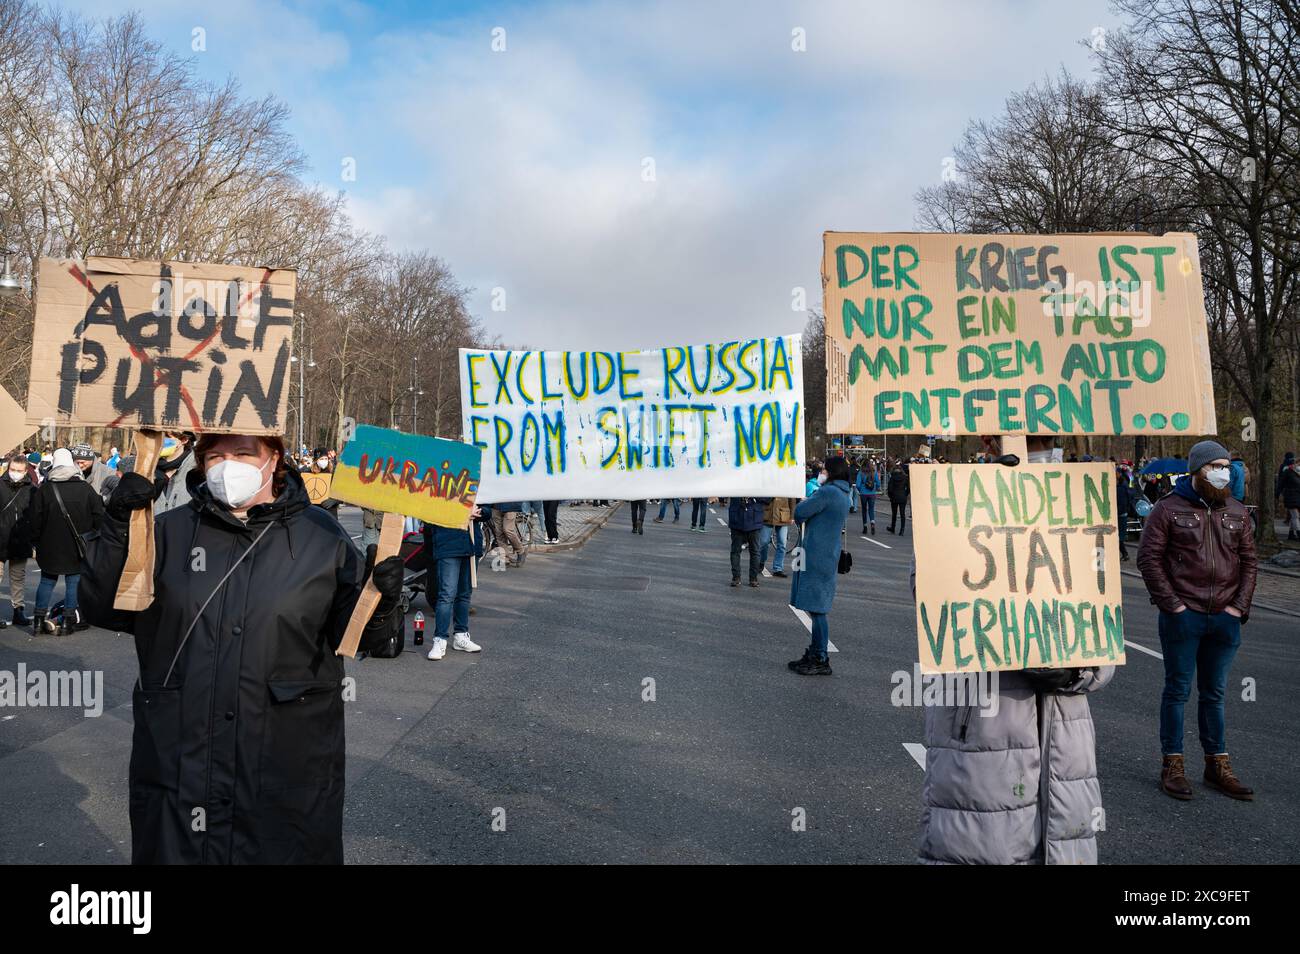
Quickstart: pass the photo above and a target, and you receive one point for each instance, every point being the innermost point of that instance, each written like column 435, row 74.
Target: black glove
column 133, row 492
column 388, row 577
column 1050, row 680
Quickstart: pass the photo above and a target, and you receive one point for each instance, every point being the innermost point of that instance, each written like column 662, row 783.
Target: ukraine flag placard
column 429, row 478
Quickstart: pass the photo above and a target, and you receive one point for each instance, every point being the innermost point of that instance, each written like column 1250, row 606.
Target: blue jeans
column 453, row 596
column 1204, row 645
column 677, row 508
column 821, row 636
column 699, row 511
column 868, row 509
column 781, row 534
column 45, row 590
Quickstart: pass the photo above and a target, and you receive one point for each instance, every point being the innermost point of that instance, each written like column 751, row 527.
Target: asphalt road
column 544, row 747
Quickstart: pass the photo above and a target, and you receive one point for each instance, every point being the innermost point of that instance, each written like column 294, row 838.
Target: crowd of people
column 279, row 571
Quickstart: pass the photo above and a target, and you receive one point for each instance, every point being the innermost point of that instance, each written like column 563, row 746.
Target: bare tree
column 1204, row 91
column 111, row 146
column 1046, row 165
column 814, row 385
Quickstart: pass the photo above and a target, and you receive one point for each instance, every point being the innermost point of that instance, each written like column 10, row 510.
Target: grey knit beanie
column 1204, row 452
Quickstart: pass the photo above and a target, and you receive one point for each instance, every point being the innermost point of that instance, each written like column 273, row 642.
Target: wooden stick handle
column 390, row 543
column 135, row 588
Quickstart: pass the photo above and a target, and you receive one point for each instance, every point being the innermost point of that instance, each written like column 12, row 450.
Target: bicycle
column 527, row 529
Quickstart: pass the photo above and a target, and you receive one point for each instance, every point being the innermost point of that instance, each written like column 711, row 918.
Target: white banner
column 704, row 420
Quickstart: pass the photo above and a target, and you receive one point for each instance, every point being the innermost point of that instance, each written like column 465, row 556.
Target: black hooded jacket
column 55, row 535
column 15, row 517
column 238, row 751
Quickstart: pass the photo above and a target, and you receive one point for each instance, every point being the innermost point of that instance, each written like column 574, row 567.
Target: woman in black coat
column 65, row 509
column 239, row 707
column 16, row 495
column 1288, row 487
column 1123, row 508
column 898, row 489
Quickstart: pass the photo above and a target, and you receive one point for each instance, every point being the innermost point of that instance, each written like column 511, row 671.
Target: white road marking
column 917, row 751
column 766, row 573
column 807, row 624
column 711, row 510
column 1142, row 649
column 721, row 521
column 878, row 543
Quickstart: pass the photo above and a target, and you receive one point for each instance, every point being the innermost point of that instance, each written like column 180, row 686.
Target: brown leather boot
column 1172, row 780
column 1218, row 774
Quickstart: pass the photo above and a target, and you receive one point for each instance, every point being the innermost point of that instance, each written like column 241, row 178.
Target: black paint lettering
column 140, row 401
column 265, row 401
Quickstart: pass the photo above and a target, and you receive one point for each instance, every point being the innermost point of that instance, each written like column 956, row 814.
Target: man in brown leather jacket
column 778, row 518
column 1197, row 558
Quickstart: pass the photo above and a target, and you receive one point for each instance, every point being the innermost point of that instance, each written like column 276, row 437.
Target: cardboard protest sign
column 697, row 421
column 429, row 478
column 1032, row 334
column 14, row 428
column 162, row 346
column 135, row 585
column 318, row 486
column 400, row 474
column 1016, row 567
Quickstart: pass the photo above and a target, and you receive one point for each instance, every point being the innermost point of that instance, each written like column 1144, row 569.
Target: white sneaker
column 462, row 642
column 439, row 648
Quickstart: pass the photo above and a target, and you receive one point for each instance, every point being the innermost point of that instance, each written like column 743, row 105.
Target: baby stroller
column 415, row 559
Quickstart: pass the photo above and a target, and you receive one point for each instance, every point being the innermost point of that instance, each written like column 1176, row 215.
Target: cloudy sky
column 629, row 174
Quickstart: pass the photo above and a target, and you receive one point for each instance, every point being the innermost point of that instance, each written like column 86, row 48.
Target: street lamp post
column 415, row 386
column 302, row 401
column 10, row 284
column 302, row 384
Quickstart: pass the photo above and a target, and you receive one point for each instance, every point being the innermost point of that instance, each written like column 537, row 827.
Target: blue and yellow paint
column 429, row 478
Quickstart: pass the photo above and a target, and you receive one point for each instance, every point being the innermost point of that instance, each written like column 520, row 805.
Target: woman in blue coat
column 812, row 588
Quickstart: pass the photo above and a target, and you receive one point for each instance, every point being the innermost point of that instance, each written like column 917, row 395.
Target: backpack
column 392, row 647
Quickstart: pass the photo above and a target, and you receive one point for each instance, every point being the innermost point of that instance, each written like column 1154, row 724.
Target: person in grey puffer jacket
column 1018, row 786
column 985, row 786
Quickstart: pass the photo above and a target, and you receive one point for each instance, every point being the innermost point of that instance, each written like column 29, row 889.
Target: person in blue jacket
column 1237, row 477
column 812, row 588
column 868, row 484
column 450, row 552
column 745, row 520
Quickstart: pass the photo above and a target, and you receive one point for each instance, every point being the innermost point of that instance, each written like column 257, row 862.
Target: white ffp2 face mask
column 235, row 483
column 1218, row 477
